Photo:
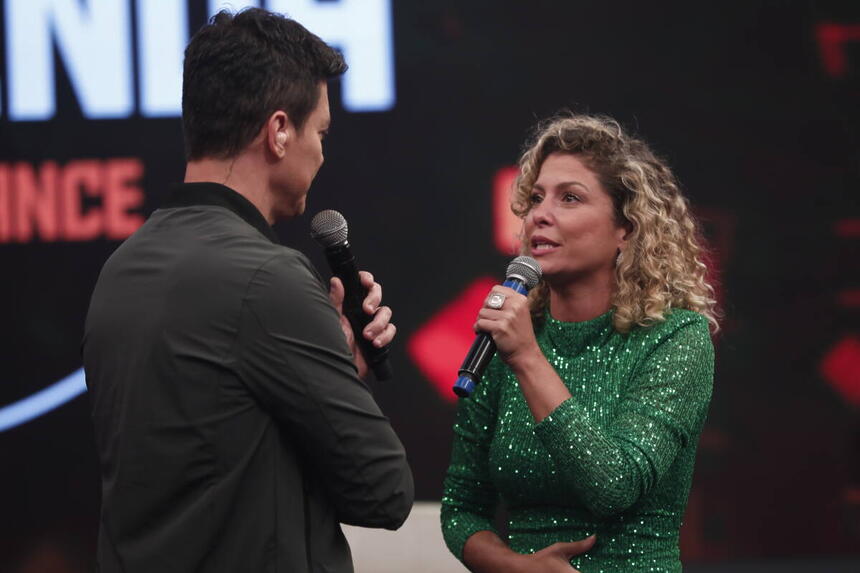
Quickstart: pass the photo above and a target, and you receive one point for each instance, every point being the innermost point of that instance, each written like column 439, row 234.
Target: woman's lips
column 542, row 246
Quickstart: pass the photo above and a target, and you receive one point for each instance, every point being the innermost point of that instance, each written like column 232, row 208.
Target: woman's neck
column 578, row 301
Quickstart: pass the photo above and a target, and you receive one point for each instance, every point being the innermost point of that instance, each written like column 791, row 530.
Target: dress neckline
column 571, row 338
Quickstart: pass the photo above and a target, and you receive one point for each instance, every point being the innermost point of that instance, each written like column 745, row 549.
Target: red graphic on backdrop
column 841, row 364
column 849, row 298
column 841, row 369
column 719, row 226
column 506, row 225
column 80, row 201
column 440, row 345
column 832, row 38
column 847, row 228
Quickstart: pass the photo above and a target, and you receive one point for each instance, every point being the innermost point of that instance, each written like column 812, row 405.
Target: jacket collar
column 190, row 194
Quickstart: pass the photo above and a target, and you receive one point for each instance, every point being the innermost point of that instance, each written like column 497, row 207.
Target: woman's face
column 571, row 229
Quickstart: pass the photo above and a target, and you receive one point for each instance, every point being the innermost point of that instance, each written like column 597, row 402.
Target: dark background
column 737, row 97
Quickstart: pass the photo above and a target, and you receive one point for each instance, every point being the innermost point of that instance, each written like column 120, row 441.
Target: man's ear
column 279, row 133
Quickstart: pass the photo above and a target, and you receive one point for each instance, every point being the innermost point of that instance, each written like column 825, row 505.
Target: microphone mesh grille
column 328, row 228
column 526, row 268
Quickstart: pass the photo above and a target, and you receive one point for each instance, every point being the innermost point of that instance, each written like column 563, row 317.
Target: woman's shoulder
column 684, row 336
column 680, row 317
column 676, row 322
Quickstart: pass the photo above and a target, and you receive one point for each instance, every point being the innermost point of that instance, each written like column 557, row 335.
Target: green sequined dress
column 616, row 459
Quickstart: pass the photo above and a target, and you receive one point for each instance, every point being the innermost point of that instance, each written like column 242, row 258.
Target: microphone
column 329, row 229
column 522, row 275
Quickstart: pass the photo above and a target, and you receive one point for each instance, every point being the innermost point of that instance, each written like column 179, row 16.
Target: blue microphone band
column 464, row 386
column 517, row 285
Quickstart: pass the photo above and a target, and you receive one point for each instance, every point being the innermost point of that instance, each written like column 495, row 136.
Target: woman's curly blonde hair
column 661, row 267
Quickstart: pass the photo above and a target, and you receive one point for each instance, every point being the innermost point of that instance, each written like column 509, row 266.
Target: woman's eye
column 569, row 198
column 535, row 198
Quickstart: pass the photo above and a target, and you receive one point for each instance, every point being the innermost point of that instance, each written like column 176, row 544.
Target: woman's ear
column 623, row 233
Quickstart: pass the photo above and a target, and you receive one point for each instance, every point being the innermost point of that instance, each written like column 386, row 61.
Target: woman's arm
column 469, row 501
column 469, row 497
column 540, row 384
column 611, row 468
column 485, row 552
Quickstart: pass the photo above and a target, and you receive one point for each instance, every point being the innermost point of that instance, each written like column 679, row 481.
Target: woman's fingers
column 574, row 548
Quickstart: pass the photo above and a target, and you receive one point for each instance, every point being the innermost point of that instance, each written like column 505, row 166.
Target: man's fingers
column 373, row 298
column 380, row 331
column 374, row 292
column 335, row 294
column 379, row 322
column 386, row 337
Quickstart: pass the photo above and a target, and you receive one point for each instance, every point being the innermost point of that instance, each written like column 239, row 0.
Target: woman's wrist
column 518, row 563
column 526, row 360
column 539, row 382
column 485, row 552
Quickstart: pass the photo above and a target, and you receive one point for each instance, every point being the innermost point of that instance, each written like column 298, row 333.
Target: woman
column 587, row 420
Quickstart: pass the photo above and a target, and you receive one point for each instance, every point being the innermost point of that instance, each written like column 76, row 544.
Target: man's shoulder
column 209, row 230
column 204, row 243
column 288, row 270
column 202, row 221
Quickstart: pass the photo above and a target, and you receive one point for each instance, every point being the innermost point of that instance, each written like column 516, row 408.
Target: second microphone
column 330, row 230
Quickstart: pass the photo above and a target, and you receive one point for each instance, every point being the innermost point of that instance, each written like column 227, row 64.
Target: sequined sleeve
column 469, row 499
column 610, row 468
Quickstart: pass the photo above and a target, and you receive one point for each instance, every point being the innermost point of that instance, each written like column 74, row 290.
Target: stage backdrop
column 754, row 104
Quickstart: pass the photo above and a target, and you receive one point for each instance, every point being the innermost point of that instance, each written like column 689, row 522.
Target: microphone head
column 328, row 228
column 526, row 269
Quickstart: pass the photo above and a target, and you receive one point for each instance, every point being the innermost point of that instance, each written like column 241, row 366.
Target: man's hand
column 379, row 332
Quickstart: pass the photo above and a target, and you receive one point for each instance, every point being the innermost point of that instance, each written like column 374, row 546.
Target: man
column 233, row 428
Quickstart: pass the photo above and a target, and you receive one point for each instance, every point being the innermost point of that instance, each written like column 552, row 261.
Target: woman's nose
column 541, row 214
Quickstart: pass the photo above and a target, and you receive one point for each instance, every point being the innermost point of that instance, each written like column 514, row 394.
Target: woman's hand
column 507, row 318
column 485, row 552
column 379, row 332
column 555, row 558
column 510, row 325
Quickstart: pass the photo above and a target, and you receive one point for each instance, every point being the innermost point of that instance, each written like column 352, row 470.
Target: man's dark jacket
column 233, row 431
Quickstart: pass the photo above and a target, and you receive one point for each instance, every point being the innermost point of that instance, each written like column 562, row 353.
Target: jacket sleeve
column 470, row 499
column 611, row 468
column 295, row 361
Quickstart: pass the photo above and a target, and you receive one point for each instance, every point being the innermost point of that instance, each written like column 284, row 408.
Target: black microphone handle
column 343, row 266
column 479, row 356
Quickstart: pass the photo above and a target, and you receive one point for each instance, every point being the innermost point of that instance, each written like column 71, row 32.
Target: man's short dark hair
column 240, row 69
